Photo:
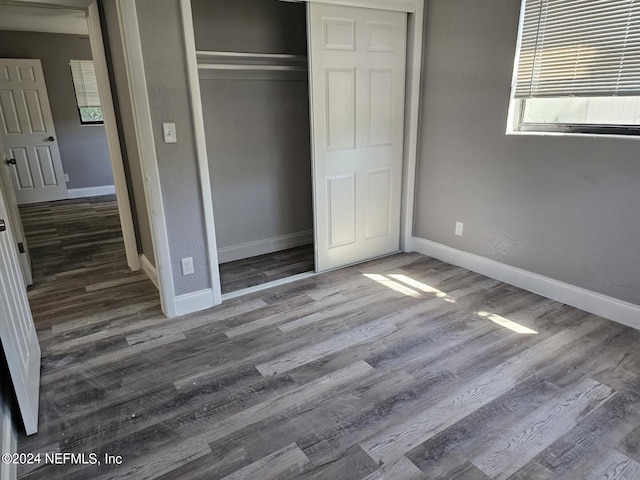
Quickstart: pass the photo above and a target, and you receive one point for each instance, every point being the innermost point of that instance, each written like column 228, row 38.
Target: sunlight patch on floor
column 505, row 322
column 423, row 287
column 401, row 283
column 398, row 287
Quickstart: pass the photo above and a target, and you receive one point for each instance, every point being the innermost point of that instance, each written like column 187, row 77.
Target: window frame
column 517, row 125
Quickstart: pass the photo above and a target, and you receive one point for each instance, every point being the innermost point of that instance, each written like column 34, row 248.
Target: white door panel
column 26, row 124
column 17, row 331
column 357, row 91
column 11, row 205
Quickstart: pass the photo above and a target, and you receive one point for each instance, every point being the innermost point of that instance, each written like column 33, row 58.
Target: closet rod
column 251, row 56
column 229, row 66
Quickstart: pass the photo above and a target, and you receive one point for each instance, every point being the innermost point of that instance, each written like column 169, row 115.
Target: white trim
column 411, row 122
column 150, row 270
column 603, row 305
column 201, row 148
column 408, row 6
column 92, row 192
column 134, row 63
column 265, row 286
column 261, row 247
column 8, row 436
column 194, row 302
column 113, row 140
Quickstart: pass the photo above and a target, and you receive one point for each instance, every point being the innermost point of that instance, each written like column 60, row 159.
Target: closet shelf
column 212, row 60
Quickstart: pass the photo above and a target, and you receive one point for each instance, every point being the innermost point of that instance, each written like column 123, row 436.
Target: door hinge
column 21, row 247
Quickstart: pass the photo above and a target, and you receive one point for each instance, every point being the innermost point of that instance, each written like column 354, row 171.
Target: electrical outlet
column 66, row 177
column 459, row 227
column 187, row 266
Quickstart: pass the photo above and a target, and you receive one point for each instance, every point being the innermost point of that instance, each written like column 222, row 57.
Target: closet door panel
column 357, row 91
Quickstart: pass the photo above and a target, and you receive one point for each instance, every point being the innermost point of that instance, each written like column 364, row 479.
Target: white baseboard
column 261, row 247
column 194, row 302
column 603, row 305
column 150, row 270
column 91, row 191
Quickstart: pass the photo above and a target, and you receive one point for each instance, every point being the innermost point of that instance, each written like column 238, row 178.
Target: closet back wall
column 257, row 128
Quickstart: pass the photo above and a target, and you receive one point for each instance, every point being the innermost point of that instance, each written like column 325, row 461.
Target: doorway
column 67, row 40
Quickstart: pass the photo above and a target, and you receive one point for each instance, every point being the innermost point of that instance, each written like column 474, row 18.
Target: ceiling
column 42, row 19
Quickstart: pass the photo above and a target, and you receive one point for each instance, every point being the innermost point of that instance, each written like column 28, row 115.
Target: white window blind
column 84, row 82
column 579, row 48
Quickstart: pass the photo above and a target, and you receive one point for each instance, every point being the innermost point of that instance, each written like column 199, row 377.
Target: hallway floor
column 78, row 262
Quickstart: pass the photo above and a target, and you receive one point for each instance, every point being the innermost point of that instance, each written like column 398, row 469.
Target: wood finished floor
column 253, row 271
column 409, row 372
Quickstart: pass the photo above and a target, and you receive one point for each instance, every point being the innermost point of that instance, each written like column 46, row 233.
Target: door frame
column 415, row 18
column 90, row 7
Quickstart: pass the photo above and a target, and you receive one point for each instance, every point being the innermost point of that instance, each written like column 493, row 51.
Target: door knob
column 3, row 226
column 51, row 139
column 11, row 161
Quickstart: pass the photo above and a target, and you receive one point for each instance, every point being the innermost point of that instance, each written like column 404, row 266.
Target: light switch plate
column 169, row 132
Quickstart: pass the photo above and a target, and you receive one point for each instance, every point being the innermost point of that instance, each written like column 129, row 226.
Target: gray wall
column 83, row 148
column 166, row 73
column 257, row 128
column 259, row 154
column 258, row 26
column 564, row 207
column 124, row 113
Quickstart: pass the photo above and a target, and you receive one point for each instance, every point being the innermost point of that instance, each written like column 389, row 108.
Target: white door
column 17, row 331
column 357, row 93
column 29, row 135
column 14, row 216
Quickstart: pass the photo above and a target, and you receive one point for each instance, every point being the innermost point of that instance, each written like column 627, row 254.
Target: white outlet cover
column 187, row 266
column 169, row 132
column 459, row 227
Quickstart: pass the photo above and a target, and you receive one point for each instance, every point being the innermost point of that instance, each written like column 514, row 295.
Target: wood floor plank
column 526, row 439
column 340, row 342
column 398, row 439
column 399, row 469
column 616, row 466
column 285, row 463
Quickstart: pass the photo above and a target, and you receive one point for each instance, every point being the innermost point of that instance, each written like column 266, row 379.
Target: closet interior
column 253, row 71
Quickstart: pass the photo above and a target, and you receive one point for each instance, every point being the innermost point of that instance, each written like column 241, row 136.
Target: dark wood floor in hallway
column 400, row 368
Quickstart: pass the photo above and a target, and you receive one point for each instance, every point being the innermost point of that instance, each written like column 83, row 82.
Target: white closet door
column 357, row 93
column 17, row 331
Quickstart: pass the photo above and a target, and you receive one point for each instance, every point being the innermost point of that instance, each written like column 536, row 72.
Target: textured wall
column 260, row 158
column 258, row 26
column 564, row 207
column 83, row 148
column 165, row 66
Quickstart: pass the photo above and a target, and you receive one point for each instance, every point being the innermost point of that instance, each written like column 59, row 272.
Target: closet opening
column 253, row 75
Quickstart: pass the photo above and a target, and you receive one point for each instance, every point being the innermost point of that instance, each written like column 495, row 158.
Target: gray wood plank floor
column 400, row 368
column 253, row 271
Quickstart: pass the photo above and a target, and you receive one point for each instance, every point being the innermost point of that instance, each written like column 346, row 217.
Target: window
column 86, row 87
column 578, row 67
